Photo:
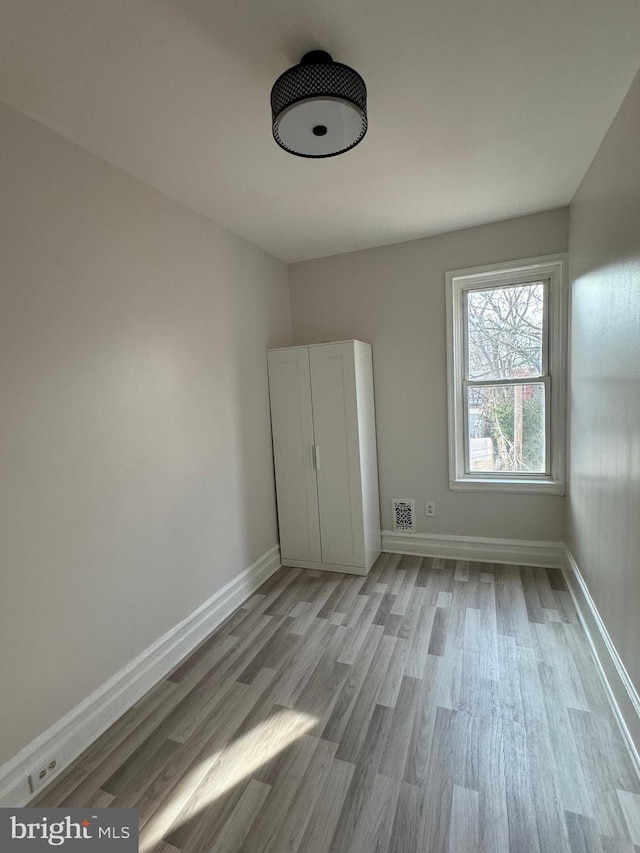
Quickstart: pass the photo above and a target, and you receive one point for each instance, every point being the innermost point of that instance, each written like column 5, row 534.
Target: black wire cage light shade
column 319, row 107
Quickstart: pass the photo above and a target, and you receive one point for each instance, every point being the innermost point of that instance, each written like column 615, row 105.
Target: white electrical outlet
column 429, row 509
column 41, row 775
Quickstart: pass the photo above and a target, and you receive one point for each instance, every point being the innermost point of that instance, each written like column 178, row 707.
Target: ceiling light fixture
column 319, row 107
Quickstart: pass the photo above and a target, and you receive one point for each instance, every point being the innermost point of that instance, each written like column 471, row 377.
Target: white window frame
column 551, row 269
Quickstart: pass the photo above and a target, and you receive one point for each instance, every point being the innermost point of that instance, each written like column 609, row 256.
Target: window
column 506, row 366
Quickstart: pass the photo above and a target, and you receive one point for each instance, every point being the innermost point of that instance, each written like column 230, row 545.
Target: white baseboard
column 622, row 693
column 520, row 552
column 93, row 716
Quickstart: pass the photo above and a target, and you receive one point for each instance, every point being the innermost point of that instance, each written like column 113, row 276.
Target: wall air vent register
column 403, row 515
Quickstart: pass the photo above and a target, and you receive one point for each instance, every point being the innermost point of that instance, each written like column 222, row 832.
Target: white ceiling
column 478, row 109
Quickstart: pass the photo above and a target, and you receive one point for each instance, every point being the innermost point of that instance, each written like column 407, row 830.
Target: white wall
column 136, row 471
column 604, row 500
column 394, row 298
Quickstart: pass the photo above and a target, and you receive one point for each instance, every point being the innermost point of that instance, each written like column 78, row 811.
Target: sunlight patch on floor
column 223, row 770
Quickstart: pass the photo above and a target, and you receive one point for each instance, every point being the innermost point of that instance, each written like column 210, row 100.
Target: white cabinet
column 324, row 447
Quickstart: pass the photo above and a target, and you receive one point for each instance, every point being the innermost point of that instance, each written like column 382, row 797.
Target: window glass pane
column 505, row 331
column 506, row 428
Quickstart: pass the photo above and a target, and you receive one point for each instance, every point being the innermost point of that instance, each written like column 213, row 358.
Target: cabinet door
column 335, row 420
column 293, row 452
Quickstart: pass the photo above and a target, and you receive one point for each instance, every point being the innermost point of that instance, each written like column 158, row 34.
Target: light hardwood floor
column 432, row 706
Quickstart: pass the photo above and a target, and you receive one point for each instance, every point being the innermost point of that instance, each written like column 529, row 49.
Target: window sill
column 534, row 487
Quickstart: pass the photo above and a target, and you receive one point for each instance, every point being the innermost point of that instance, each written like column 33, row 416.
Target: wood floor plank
column 365, row 702
column 433, row 706
column 593, row 743
column 436, row 816
column 523, row 666
column 419, row 752
column 303, row 622
column 363, row 620
column 438, row 636
column 523, row 825
column 292, row 679
column 264, row 834
column 462, row 570
column 546, row 798
column 583, row 835
column 572, row 636
column 403, row 595
column 494, row 815
column 575, row 792
column 464, row 832
column 197, row 832
column 322, row 689
column 374, row 827
column 394, row 756
column 630, row 804
column 205, row 656
column 287, row 835
column 615, row 845
column 534, row 605
column 384, row 610
column 392, row 574
column 100, row 800
column 364, row 775
column 236, row 828
column 407, row 820
column 421, row 640
column 163, row 847
column 281, row 646
column 392, row 681
column 424, row 565
column 333, row 601
column 341, row 713
column 511, row 608
column 324, row 817
column 184, row 728
column 397, row 577
column 138, row 772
